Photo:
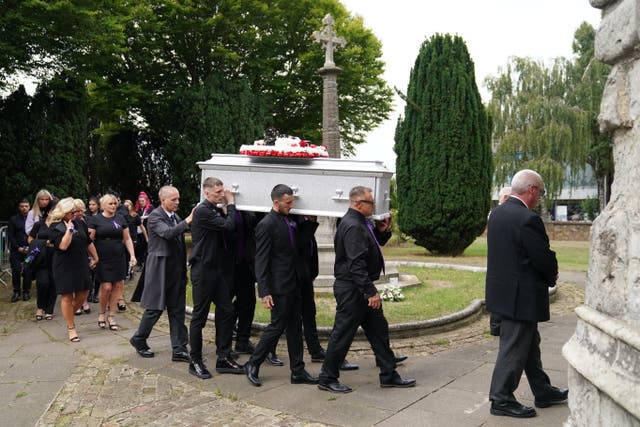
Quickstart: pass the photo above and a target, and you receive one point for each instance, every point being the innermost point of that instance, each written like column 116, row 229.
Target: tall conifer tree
column 444, row 168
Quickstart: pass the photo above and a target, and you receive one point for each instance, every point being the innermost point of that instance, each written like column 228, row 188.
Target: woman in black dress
column 110, row 232
column 73, row 256
column 93, row 208
column 39, row 267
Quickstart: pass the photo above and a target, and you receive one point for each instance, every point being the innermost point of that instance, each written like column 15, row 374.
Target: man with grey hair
column 520, row 268
column 166, row 276
column 358, row 264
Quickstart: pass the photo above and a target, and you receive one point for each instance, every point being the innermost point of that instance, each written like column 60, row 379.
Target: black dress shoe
column 303, row 377
column 198, row 369
column 397, row 359
column 26, row 296
column 559, row 395
column 398, row 381
column 180, row 356
column 335, row 387
column 251, row 371
column 273, row 359
column 15, row 297
column 244, row 348
column 512, row 409
column 227, row 365
column 142, row 349
column 318, row 356
column 401, row 358
column 346, row 366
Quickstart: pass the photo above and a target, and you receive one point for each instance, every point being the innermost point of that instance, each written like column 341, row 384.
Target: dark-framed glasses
column 368, row 202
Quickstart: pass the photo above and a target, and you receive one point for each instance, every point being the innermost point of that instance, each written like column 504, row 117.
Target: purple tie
column 290, row 228
column 370, row 227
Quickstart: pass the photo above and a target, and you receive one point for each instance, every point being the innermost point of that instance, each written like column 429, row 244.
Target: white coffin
column 321, row 186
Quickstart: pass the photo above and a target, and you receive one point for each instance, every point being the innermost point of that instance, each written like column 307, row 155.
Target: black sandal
column 121, row 307
column 102, row 324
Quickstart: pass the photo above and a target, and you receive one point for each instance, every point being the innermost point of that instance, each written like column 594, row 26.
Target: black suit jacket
column 208, row 228
column 520, row 264
column 307, row 247
column 15, row 232
column 358, row 257
column 165, row 277
column 279, row 266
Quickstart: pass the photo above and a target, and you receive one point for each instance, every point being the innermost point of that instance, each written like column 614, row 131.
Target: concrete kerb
column 422, row 327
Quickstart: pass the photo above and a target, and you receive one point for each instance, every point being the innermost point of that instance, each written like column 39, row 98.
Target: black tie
column 174, row 220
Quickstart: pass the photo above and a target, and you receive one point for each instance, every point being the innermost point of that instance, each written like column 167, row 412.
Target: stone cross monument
column 329, row 41
column 604, row 351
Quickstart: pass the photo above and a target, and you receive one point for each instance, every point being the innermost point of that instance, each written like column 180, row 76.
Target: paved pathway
column 47, row 381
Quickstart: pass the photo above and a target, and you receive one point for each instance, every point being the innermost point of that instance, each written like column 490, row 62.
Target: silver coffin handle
column 339, row 196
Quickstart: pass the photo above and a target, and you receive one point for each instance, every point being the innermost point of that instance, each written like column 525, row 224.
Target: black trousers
column 20, row 278
column 309, row 318
column 47, row 295
column 285, row 314
column 244, row 291
column 352, row 311
column 519, row 351
column 206, row 292
column 309, row 327
column 177, row 329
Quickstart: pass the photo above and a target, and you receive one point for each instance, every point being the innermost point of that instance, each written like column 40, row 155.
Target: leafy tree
column 534, row 126
column 138, row 58
column 59, row 113
column 444, row 166
column 588, row 77
column 15, row 139
column 216, row 117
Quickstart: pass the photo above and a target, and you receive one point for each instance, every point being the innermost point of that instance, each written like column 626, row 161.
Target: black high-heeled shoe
column 121, row 307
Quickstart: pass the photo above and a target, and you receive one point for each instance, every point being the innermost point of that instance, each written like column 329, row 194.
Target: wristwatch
column 71, row 229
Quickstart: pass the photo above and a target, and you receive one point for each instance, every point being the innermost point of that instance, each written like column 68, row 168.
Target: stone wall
column 604, row 352
column 568, row 230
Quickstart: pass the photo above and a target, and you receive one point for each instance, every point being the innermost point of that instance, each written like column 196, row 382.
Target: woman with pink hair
column 143, row 207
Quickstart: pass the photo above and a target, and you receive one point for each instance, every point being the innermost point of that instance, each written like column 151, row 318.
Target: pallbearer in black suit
column 520, row 268
column 279, row 270
column 358, row 264
column 166, row 276
column 243, row 251
column 211, row 271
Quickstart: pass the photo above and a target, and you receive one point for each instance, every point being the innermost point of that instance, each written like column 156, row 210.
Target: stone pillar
column 604, row 352
column 330, row 116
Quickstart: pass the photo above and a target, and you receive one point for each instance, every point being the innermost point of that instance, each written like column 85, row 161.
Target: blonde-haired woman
column 70, row 267
column 110, row 233
column 39, row 209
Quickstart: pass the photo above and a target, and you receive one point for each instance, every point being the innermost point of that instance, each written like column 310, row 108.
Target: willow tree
column 443, row 145
column 588, row 80
column 534, row 124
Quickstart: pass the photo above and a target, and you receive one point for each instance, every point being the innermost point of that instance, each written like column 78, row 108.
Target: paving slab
column 47, row 381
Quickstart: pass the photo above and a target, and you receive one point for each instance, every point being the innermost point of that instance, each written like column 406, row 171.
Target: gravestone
column 604, row 352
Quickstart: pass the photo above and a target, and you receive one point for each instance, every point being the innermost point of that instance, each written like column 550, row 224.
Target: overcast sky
column 493, row 30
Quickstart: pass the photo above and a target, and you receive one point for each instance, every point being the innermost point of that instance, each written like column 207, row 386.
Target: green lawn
column 442, row 291
column 572, row 255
